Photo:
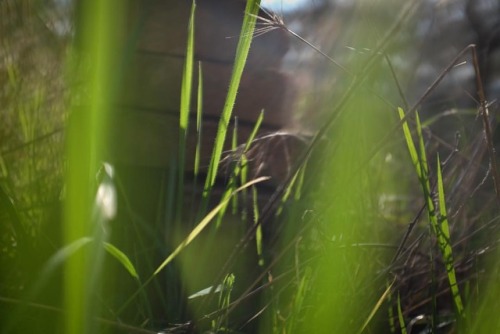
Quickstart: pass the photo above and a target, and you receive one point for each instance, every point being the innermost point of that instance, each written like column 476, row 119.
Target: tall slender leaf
column 242, row 50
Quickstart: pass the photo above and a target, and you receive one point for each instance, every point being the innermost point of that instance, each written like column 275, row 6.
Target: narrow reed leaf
column 377, row 306
column 300, row 181
column 254, row 131
column 287, row 193
column 419, row 160
column 443, row 235
column 422, row 155
column 186, row 87
column 187, row 77
column 242, row 50
column 122, row 259
column 410, row 144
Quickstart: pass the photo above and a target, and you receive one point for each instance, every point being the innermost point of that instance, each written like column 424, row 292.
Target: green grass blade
column 122, row 259
column 242, row 50
column 100, row 35
column 439, row 225
column 254, row 131
column 205, row 221
column 377, row 306
column 187, row 82
column 192, row 235
column 410, row 144
column 443, row 235
column 419, row 160
column 424, row 176
column 232, row 182
column 422, row 155
column 66, row 252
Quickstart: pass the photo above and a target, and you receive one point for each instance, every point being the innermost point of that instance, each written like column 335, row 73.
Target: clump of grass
column 437, row 213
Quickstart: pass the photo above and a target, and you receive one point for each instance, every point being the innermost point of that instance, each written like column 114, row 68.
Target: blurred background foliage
column 36, row 38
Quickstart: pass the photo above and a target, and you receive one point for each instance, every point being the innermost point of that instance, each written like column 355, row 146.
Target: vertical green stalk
column 100, row 21
column 185, row 106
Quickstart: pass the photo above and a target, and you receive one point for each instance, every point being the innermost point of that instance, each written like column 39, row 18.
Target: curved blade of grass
column 122, row 258
column 242, row 50
column 194, row 233
column 205, row 221
column 254, row 131
column 64, row 254
column 443, row 235
column 377, row 306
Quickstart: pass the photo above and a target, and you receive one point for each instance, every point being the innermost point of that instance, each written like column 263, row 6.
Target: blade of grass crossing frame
column 252, row 7
column 205, row 221
column 187, row 80
column 377, row 306
column 191, row 236
column 443, row 235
